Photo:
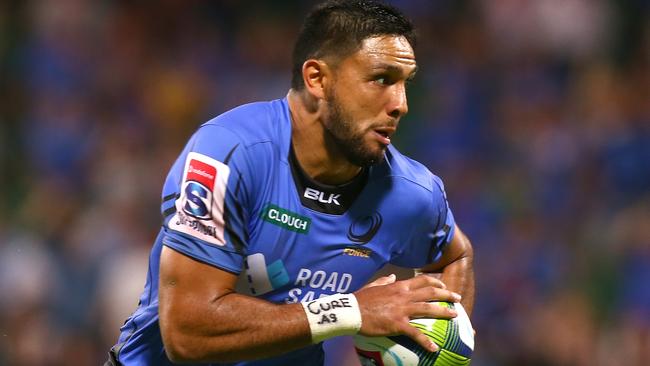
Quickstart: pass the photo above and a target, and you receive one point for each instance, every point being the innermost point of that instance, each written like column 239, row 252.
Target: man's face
column 367, row 97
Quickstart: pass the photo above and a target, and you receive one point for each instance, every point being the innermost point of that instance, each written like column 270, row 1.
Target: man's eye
column 383, row 80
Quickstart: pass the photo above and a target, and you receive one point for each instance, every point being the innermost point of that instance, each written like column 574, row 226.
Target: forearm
column 456, row 268
column 232, row 327
column 459, row 277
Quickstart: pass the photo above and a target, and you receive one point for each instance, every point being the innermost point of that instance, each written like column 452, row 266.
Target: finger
column 437, row 275
column 424, row 281
column 431, row 310
column 381, row 281
column 419, row 337
column 434, row 294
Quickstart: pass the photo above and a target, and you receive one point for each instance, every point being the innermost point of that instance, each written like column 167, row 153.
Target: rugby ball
column 454, row 337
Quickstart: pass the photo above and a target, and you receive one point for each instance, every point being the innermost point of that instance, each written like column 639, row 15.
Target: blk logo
column 199, row 200
column 364, row 228
column 322, row 197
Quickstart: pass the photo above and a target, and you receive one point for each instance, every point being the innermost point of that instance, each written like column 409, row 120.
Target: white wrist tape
column 333, row 316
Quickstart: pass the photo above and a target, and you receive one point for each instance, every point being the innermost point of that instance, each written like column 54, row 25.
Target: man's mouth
column 383, row 134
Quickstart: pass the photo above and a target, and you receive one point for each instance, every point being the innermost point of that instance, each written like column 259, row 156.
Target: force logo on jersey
column 200, row 206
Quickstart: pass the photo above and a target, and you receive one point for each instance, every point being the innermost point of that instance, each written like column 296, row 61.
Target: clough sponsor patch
column 200, row 206
column 286, row 219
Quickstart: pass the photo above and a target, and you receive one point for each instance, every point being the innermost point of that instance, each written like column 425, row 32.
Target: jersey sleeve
column 205, row 206
column 443, row 223
column 428, row 239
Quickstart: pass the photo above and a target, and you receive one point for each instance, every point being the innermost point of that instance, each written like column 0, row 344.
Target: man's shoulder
column 407, row 169
column 252, row 122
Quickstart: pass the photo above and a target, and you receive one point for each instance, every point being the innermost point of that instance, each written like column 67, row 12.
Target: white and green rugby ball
column 454, row 337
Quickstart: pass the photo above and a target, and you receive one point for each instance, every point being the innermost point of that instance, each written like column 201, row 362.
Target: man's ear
column 316, row 75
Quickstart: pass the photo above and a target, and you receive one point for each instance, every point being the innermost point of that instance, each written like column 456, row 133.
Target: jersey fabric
column 237, row 199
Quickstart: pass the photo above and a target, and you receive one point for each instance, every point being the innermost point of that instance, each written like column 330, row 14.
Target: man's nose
column 398, row 105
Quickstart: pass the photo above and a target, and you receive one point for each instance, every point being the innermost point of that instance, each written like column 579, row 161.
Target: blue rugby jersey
column 237, row 199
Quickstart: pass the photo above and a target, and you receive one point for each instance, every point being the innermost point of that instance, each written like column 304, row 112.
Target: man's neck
column 318, row 156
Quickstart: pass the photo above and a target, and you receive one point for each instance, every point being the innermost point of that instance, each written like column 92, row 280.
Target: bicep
column 186, row 286
column 458, row 248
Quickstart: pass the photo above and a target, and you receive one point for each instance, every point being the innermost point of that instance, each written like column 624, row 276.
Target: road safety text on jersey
column 328, row 283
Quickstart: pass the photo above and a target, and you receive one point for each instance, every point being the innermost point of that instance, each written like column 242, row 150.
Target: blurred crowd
column 536, row 114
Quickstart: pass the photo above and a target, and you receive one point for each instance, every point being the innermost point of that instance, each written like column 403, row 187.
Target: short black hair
column 338, row 28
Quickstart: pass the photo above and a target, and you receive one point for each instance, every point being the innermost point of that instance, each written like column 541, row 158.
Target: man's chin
column 367, row 159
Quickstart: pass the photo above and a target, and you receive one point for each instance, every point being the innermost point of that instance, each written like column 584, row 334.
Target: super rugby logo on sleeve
column 198, row 186
column 200, row 207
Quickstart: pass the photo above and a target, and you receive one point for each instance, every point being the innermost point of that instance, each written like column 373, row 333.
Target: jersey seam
column 120, row 346
column 239, row 137
column 410, row 180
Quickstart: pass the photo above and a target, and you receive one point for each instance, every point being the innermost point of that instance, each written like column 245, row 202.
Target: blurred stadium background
column 535, row 113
